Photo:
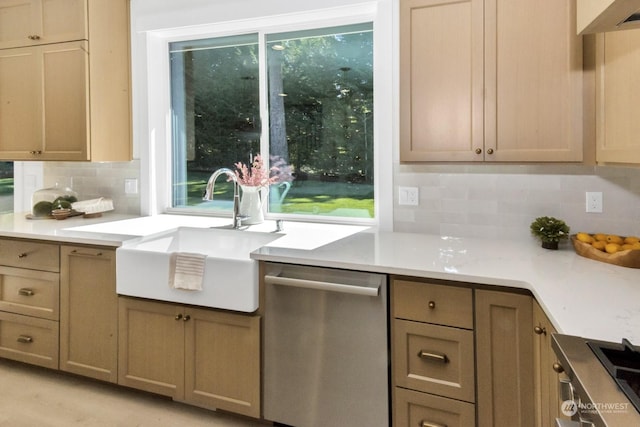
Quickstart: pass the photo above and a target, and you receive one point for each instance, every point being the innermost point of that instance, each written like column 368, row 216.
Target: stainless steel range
column 602, row 382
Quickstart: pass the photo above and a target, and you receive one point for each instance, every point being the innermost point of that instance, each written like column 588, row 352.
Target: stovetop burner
column 622, row 361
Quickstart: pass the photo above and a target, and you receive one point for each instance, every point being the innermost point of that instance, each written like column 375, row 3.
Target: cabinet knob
column 539, row 330
column 432, row 304
column 26, row 339
column 178, row 316
column 26, row 292
column 557, row 367
column 478, row 150
column 490, row 151
column 186, row 318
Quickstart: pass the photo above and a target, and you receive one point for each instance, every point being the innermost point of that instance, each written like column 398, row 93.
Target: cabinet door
column 504, row 359
column 44, row 102
column 21, row 129
column 89, row 313
column 151, row 346
column 617, row 94
column 223, row 361
column 441, row 80
column 35, row 22
column 533, row 109
column 546, row 379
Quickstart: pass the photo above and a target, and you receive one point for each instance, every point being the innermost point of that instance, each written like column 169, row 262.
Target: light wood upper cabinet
column 35, row 22
column 44, row 116
column 492, row 80
column 69, row 101
column 441, row 80
column 617, row 94
column 88, row 312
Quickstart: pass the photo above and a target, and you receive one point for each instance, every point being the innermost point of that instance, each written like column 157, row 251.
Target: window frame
column 152, row 103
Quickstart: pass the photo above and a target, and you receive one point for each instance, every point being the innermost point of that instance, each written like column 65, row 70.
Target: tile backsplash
column 93, row 180
column 486, row 201
column 490, row 201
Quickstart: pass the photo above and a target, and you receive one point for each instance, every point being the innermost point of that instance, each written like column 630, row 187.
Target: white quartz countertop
column 580, row 296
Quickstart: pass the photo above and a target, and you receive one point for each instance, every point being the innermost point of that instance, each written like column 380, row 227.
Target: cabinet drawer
column 434, row 359
column 28, row 339
column 420, row 409
column 439, row 304
column 31, row 255
column 30, row 292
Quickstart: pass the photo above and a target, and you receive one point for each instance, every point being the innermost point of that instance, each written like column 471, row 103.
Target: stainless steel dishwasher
column 325, row 347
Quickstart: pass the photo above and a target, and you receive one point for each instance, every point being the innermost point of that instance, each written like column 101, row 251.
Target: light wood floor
column 35, row 397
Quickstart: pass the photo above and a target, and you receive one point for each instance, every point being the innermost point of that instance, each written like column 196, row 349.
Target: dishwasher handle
column 277, row 279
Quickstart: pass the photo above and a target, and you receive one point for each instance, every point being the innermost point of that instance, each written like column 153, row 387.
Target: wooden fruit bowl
column 628, row 258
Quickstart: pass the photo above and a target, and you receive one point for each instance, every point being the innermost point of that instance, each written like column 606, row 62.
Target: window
column 303, row 100
column 6, row 187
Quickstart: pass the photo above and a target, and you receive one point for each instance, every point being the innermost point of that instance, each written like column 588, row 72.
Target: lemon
column 631, row 240
column 584, row 237
column 599, row 244
column 600, row 237
column 612, row 248
column 626, row 247
column 612, row 238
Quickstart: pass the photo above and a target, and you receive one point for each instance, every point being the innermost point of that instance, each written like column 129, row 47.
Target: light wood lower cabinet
column 89, row 312
column 504, row 359
column 427, row 410
column 546, row 379
column 203, row 357
column 433, row 375
column 29, row 302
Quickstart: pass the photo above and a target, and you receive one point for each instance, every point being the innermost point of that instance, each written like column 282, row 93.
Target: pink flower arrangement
column 257, row 176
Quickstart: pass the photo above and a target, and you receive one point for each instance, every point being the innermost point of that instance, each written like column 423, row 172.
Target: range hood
column 598, row 16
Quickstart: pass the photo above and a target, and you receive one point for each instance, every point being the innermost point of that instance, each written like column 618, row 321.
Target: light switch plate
column 408, row 196
column 131, row 186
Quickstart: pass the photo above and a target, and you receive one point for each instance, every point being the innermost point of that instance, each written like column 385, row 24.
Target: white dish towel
column 186, row 271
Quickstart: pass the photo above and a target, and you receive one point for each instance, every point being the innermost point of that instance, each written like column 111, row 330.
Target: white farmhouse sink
column 230, row 278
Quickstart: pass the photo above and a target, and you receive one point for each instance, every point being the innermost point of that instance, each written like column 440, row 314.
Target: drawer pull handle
column 25, row 292
column 34, row 37
column 25, row 339
column 432, row 304
column 436, row 357
column 22, row 255
column 75, row 252
column 430, row 424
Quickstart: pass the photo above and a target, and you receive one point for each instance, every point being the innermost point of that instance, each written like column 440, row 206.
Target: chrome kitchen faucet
column 208, row 194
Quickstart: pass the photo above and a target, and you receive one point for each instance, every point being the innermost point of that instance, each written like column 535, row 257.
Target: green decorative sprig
column 549, row 229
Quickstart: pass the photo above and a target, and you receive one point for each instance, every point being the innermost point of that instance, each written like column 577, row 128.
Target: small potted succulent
column 550, row 231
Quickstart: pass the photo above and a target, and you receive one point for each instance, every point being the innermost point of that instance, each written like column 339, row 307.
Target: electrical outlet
column 594, row 202
column 408, row 196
